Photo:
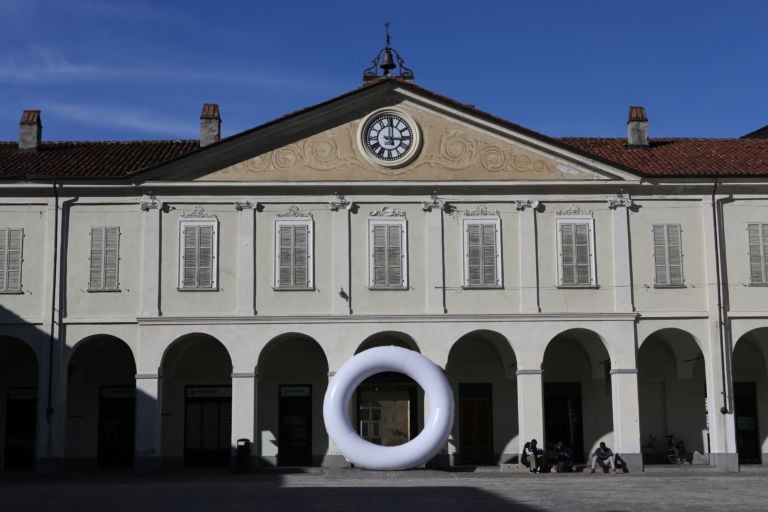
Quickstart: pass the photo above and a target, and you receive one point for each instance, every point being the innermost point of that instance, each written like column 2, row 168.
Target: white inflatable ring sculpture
column 365, row 454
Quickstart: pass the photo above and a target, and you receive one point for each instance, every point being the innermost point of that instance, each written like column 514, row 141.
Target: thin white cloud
column 44, row 65
column 114, row 116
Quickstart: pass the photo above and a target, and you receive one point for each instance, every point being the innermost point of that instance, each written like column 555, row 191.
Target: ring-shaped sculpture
column 365, row 454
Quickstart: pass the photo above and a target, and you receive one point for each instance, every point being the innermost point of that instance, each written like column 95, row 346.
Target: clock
column 390, row 137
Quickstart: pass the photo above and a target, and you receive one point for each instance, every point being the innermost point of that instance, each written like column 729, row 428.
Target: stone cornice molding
column 620, row 371
column 529, row 372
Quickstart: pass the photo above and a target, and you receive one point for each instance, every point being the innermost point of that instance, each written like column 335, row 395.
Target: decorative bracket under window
column 622, row 200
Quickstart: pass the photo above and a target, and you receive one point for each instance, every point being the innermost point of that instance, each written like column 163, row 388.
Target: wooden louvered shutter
column 285, row 255
column 488, row 240
column 758, row 249
column 205, row 257
column 567, row 254
column 474, row 255
column 96, row 280
column 111, row 257
column 191, row 237
column 394, row 255
column 660, row 254
column 10, row 259
column 674, row 255
column 379, row 255
column 300, row 256
column 583, row 265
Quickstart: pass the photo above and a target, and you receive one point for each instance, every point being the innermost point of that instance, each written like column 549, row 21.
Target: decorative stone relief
column 149, row 202
column 293, row 211
column 575, row 210
column 243, row 205
column 387, row 212
column 434, row 202
column 341, row 203
column 621, row 200
column 482, row 211
column 198, row 212
column 522, row 204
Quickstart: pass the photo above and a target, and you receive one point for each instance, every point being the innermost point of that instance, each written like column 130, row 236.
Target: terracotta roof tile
column 88, row 159
column 681, row 157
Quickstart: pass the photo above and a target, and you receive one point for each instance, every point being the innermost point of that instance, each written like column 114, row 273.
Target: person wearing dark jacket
column 563, row 458
column 605, row 457
column 532, row 456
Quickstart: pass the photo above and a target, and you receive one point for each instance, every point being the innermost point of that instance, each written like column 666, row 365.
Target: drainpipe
column 49, row 408
column 724, row 330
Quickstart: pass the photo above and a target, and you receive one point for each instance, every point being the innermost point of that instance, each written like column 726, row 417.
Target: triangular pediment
column 457, row 143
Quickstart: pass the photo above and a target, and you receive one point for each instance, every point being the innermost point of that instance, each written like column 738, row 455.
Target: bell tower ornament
column 388, row 59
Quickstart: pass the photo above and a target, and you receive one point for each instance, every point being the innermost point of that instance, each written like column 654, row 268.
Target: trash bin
column 243, row 455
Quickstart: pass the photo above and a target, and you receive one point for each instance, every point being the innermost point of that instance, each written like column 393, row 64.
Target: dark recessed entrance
column 208, row 426
column 475, row 423
column 562, row 416
column 747, row 438
column 386, row 409
column 20, row 428
column 295, row 426
column 116, row 426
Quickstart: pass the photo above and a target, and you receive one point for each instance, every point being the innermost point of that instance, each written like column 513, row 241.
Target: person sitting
column 563, row 458
column 532, row 456
column 605, row 457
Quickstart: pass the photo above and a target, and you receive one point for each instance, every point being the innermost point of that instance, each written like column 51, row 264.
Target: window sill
column 310, row 289
column 11, row 292
column 96, row 290
column 388, row 288
column 197, row 289
column 669, row 286
column 494, row 287
column 577, row 287
column 758, row 285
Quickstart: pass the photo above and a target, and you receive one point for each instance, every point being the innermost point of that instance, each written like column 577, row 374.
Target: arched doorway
column 481, row 371
column 672, row 395
column 389, row 405
column 750, row 390
column 293, row 377
column 18, row 404
column 577, row 392
column 101, row 404
column 197, row 403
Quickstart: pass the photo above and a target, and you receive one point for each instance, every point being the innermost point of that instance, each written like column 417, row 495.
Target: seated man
column 605, row 457
column 532, row 456
column 563, row 458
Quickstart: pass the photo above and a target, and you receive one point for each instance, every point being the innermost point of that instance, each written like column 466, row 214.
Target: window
column 758, row 252
column 387, row 248
column 576, row 250
column 10, row 260
column 293, row 259
column 482, row 253
column 197, row 259
column 105, row 246
column 667, row 255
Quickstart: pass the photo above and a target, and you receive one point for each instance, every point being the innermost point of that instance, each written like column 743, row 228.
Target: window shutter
column 111, row 257
column 285, row 255
column 567, row 250
column 489, row 254
column 675, row 255
column 474, row 255
column 12, row 261
column 582, row 254
column 3, row 258
column 191, row 236
column 660, row 254
column 96, row 281
column 300, row 257
column 757, row 251
column 379, row 262
column 394, row 255
column 205, row 257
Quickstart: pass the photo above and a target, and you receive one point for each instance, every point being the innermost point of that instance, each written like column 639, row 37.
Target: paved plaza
column 417, row 490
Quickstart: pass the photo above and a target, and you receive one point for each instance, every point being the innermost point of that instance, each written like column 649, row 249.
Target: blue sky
column 141, row 69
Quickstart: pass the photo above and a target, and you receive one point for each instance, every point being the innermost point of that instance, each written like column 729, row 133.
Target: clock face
column 389, row 137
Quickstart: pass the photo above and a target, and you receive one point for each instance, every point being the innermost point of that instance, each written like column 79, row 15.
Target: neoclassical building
column 162, row 301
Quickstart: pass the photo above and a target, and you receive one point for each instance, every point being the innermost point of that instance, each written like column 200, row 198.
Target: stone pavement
column 373, row 491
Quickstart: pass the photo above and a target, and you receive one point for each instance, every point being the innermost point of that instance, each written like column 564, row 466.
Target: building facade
column 162, row 303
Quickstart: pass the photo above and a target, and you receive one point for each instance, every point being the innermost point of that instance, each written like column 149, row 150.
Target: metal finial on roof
column 385, row 60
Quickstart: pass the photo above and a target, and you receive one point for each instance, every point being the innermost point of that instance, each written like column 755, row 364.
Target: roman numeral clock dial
column 390, row 137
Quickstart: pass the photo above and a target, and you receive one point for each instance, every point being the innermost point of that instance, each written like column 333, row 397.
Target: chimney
column 30, row 131
column 210, row 124
column 637, row 128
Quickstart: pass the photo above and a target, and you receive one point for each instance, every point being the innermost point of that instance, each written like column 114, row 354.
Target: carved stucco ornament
column 198, row 212
column 294, row 211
